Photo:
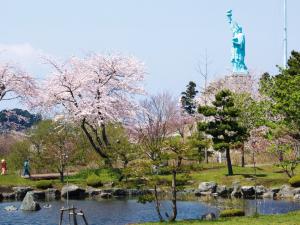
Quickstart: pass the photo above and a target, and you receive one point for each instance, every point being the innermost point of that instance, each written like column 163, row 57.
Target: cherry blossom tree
column 16, row 84
column 93, row 92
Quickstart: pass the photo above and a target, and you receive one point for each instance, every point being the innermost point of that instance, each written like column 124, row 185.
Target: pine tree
column 187, row 98
column 224, row 128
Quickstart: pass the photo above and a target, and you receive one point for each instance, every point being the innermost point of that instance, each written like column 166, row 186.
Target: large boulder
column 73, row 192
column 29, row 203
column 236, row 190
column 207, row 187
column 20, row 192
column 52, row 194
column 248, row 191
column 285, row 192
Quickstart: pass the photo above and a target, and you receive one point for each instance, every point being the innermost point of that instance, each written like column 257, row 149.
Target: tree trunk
column 96, row 147
column 174, row 197
column 157, row 205
column 206, row 155
column 62, row 177
column 243, row 155
column 229, row 165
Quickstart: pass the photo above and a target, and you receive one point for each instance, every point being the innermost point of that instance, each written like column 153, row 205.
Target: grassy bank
column 292, row 218
column 269, row 176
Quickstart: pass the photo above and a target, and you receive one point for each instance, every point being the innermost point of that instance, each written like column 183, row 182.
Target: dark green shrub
column 295, row 181
column 44, row 184
column 94, row 181
column 232, row 212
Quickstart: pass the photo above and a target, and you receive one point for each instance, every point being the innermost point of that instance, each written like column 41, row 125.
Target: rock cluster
column 247, row 192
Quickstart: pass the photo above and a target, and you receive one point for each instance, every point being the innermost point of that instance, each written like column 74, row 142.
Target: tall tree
column 224, row 128
column 283, row 89
column 188, row 98
column 93, row 92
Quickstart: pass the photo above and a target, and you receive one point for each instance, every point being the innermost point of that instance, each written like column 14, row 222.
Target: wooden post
column 83, row 217
column 74, row 216
column 61, row 216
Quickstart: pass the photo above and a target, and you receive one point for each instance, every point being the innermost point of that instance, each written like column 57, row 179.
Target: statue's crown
column 229, row 12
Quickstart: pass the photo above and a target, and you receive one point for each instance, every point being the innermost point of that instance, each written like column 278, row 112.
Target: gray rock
column 29, row 203
column 1, row 196
column 208, row 187
column 269, row 194
column 296, row 191
column 236, row 190
column 209, row 217
column 275, row 190
column 105, row 195
column 297, row 197
column 74, row 192
column 20, row 192
column 119, row 192
column 285, row 192
column 52, row 194
column 222, row 191
column 10, row 208
column 248, row 191
column 39, row 195
column 9, row 196
column 260, row 190
column 92, row 192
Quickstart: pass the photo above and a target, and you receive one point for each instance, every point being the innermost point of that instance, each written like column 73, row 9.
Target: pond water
column 126, row 211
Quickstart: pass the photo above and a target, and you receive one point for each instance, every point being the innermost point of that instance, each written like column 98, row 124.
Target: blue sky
column 170, row 36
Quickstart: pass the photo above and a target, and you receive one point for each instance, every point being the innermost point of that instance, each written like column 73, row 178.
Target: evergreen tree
column 224, row 128
column 284, row 92
column 187, row 98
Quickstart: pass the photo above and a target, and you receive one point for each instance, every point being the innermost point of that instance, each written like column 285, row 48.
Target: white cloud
column 25, row 55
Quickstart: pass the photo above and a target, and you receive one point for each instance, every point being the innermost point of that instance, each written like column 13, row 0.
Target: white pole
column 285, row 34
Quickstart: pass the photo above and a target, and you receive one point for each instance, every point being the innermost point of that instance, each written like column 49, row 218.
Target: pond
column 125, row 211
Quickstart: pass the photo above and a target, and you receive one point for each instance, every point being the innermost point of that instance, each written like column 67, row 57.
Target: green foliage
column 20, row 151
column 226, row 129
column 283, row 89
column 295, row 181
column 94, row 181
column 198, row 143
column 148, row 198
column 43, row 184
column 106, row 175
column 187, row 98
column 232, row 213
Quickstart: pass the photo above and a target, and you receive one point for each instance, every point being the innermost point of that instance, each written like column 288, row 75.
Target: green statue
column 238, row 47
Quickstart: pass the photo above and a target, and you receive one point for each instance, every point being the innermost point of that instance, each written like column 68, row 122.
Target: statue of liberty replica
column 238, row 47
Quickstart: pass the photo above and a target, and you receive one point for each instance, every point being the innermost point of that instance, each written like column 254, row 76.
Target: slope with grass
column 292, row 218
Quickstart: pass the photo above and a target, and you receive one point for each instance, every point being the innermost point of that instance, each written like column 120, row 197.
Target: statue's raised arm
column 238, row 46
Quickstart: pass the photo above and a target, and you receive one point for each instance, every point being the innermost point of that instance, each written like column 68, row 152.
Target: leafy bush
column 295, row 181
column 43, row 184
column 232, row 212
column 94, row 181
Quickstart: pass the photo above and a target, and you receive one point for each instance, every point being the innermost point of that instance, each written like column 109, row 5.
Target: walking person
column 26, row 169
column 3, row 167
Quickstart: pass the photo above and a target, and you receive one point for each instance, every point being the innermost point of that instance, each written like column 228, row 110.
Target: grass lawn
column 269, row 176
column 292, row 218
